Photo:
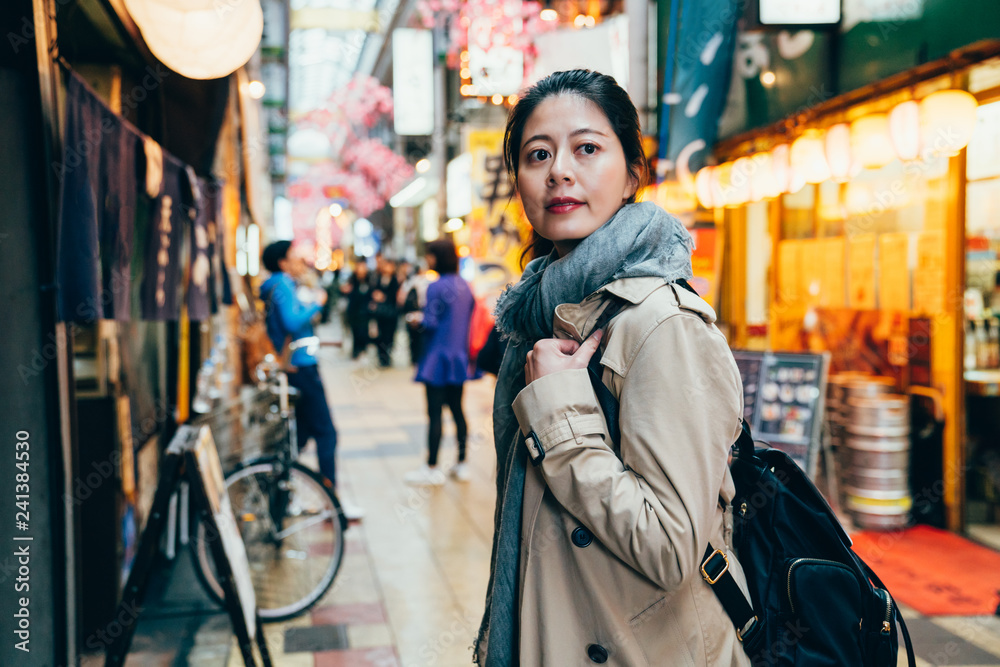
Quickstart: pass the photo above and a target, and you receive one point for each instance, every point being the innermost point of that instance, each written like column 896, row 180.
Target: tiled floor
column 410, row 591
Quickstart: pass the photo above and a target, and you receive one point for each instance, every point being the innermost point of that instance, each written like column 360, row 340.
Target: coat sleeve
column 680, row 406
column 292, row 313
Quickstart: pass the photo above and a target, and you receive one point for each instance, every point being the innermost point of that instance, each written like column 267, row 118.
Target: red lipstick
column 563, row 204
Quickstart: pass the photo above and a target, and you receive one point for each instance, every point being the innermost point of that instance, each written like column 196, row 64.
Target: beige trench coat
column 612, row 547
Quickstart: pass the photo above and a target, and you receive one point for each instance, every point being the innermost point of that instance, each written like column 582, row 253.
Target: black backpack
column 813, row 601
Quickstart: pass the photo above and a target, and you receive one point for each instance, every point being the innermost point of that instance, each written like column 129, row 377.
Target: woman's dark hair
column 445, row 256
column 274, row 253
column 612, row 100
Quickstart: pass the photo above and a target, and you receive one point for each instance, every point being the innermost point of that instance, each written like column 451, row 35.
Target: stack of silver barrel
column 870, row 430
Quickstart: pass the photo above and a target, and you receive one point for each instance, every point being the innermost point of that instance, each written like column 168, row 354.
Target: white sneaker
column 424, row 476
column 461, row 472
column 351, row 511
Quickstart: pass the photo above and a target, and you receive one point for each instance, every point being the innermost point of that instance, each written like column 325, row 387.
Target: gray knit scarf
column 640, row 240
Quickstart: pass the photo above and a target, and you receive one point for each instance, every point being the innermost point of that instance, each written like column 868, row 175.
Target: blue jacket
column 287, row 316
column 446, row 332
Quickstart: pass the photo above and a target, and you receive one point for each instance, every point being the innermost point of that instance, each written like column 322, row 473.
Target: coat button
column 597, row 653
column 582, row 538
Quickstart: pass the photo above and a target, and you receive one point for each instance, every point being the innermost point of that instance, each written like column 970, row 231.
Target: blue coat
column 446, row 332
column 287, row 316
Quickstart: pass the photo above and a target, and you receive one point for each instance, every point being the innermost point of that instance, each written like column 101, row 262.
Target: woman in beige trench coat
column 598, row 542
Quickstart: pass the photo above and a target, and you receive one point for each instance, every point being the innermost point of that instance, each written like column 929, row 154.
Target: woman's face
column 572, row 174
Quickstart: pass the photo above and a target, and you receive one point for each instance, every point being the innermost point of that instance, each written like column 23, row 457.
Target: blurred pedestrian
column 289, row 324
column 412, row 299
column 358, row 290
column 444, row 367
column 385, row 288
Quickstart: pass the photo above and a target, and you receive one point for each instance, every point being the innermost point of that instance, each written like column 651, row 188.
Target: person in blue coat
column 289, row 321
column 444, row 367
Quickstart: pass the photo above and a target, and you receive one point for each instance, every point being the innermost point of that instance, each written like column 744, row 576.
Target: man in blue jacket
column 289, row 321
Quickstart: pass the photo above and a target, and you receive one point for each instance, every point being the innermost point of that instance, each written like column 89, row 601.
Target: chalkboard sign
column 209, row 469
column 783, row 396
column 192, row 456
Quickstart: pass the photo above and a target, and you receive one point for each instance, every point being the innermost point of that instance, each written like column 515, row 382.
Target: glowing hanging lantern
column 721, row 184
column 838, row 151
column 808, row 158
column 870, row 143
column 904, row 130
column 703, row 187
column 782, row 165
column 763, row 181
column 739, row 182
column 947, row 119
column 201, row 39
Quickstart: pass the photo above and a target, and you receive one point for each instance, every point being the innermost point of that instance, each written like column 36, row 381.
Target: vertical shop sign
column 413, row 81
column 696, row 81
column 496, row 223
column 459, row 186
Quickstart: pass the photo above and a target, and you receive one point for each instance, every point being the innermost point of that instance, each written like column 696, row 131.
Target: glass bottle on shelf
column 970, row 345
column 993, row 342
column 982, row 345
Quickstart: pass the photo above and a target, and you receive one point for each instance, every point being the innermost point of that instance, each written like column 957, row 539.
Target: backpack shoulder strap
column 715, row 572
column 607, row 400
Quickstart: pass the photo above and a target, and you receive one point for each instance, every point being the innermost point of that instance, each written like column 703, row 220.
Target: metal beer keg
column 877, row 436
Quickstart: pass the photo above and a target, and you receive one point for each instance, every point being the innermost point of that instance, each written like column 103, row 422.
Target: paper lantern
column 703, row 187
column 837, row 144
column 904, row 130
column 947, row 120
column 721, row 184
column 870, row 143
column 782, row 165
column 763, row 181
column 808, row 158
column 201, row 39
column 739, row 182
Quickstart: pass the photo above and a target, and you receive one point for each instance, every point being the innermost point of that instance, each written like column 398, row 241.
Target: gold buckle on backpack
column 704, row 573
column 740, row 633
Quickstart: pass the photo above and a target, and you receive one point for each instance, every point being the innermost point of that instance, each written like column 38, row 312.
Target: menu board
column 861, row 272
column 893, row 271
column 783, row 397
column 832, row 254
column 929, row 278
column 790, row 272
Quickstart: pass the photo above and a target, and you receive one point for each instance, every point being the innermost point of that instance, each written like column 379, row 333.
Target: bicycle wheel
column 294, row 564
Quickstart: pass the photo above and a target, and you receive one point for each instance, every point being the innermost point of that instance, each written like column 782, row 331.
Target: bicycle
column 289, row 518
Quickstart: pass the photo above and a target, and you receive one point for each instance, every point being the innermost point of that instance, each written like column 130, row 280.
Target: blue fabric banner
column 697, row 74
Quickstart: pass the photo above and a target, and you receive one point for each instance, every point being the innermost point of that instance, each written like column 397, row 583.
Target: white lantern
column 703, row 187
column 721, row 184
column 870, row 142
column 904, row 130
column 200, row 39
column 947, row 120
column 763, row 181
column 808, row 158
column 739, row 182
column 838, row 151
column 782, row 165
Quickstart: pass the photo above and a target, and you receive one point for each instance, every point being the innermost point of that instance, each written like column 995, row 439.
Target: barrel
column 879, row 513
column 877, row 438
